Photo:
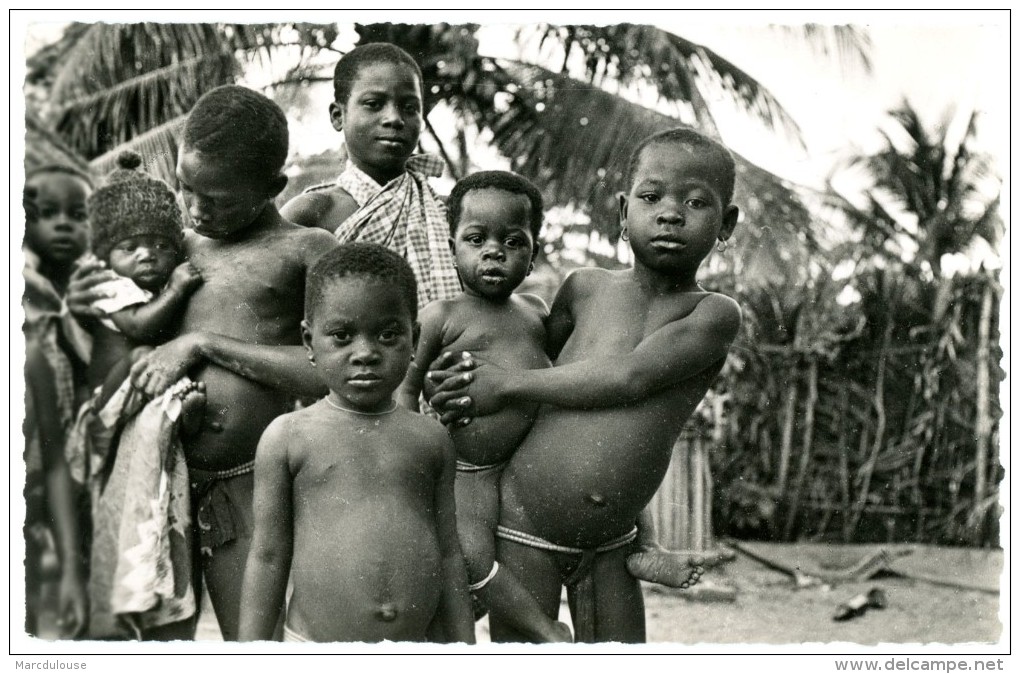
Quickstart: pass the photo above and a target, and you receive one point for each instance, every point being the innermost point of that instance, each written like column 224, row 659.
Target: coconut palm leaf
column 680, row 70
column 158, row 146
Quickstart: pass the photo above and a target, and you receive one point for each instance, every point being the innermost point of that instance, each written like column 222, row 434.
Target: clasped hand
column 459, row 386
column 157, row 371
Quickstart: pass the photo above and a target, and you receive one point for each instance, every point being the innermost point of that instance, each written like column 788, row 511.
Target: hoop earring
column 311, row 358
column 722, row 246
column 624, row 235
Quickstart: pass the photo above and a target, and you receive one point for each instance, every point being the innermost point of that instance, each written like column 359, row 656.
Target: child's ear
column 277, row 184
column 415, row 334
column 621, row 197
column 453, row 249
column 336, row 115
column 729, row 222
column 306, row 335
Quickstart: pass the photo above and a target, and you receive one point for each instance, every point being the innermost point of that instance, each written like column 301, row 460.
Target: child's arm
column 560, row 321
column 430, row 344
column 60, row 493
column 151, row 322
column 671, row 354
column 455, row 613
column 284, row 368
column 265, row 574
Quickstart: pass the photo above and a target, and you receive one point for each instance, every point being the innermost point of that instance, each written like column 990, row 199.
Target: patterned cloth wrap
column 48, row 321
column 406, row 216
column 130, row 455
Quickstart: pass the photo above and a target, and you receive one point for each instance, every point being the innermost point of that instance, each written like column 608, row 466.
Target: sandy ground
column 769, row 609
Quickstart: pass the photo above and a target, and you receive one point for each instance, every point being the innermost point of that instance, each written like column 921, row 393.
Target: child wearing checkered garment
column 383, row 195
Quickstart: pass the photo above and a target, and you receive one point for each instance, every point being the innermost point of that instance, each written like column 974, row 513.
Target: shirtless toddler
column 495, row 218
column 354, row 494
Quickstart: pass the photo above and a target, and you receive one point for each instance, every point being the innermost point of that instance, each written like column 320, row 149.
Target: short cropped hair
column 498, row 180
column 685, row 135
column 350, row 64
column 240, row 124
column 66, row 169
column 361, row 259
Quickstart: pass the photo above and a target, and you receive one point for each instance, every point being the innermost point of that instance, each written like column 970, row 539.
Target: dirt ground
column 769, row 609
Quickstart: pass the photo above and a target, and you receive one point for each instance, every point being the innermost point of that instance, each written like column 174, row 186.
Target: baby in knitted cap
column 137, row 232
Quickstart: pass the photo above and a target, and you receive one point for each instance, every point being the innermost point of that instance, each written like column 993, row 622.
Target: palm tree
column 116, row 85
column 948, row 189
column 108, row 87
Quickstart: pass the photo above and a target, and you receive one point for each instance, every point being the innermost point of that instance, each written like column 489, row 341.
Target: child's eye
column 372, row 104
column 697, row 203
column 649, row 198
column 388, row 336
column 79, row 215
column 411, row 108
column 342, row 336
column 474, row 239
column 47, row 212
column 513, row 243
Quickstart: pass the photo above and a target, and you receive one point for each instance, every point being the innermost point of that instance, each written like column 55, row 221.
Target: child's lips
column 366, row 380
column 669, row 244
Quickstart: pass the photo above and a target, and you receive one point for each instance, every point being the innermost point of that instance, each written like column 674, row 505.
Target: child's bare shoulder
column 323, row 208
column 426, row 433
column 532, row 304
column 586, row 280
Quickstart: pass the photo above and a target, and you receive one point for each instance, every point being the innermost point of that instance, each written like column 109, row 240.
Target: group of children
column 275, row 448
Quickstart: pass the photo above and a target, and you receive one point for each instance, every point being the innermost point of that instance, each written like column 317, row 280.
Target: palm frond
column 678, row 68
column 158, row 146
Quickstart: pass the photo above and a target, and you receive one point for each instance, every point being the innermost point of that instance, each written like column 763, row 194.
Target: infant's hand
column 186, row 277
column 81, row 287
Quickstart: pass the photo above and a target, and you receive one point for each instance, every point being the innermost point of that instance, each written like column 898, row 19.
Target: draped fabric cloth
column 131, row 456
column 406, row 216
column 48, row 322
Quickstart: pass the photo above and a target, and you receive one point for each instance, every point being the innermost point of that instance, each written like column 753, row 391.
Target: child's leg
column 477, row 496
column 537, row 581
column 224, row 570
column 619, row 606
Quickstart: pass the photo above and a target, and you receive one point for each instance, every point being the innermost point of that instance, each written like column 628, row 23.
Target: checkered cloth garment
column 407, row 217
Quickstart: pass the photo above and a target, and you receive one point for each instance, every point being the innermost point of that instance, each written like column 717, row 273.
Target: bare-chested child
column 137, row 232
column 383, row 193
column 495, row 218
column 240, row 335
column 635, row 352
column 354, row 494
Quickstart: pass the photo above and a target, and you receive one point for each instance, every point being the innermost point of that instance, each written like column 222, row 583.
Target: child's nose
column 145, row 252
column 670, row 216
column 493, row 252
column 392, row 116
column 364, row 352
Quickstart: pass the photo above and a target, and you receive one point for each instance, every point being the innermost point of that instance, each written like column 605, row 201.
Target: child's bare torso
column 511, row 336
column 581, row 477
column 253, row 291
column 366, row 563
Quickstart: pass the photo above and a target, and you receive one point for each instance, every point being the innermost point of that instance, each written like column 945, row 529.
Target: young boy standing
column 635, row 352
column 383, row 195
column 240, row 333
column 354, row 495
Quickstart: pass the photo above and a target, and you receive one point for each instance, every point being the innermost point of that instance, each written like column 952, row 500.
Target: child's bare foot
column 559, row 634
column 665, row 567
column 192, row 399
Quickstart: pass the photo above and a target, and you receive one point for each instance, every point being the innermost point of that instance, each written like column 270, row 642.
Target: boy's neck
column 379, row 176
column 662, row 283
column 269, row 218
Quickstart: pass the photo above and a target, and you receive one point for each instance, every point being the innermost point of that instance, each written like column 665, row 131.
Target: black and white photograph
column 511, row 332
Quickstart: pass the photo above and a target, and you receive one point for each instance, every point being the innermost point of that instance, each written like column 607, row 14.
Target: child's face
column 382, row 119
column 362, row 337
column 147, row 259
column 60, row 234
column 221, row 199
column 674, row 211
column 493, row 246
